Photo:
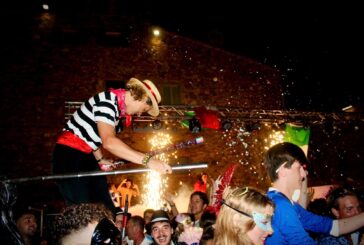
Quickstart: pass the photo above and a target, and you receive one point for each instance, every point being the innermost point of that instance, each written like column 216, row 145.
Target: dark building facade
column 57, row 62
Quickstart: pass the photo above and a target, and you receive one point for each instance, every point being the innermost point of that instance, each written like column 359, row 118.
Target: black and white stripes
column 99, row 108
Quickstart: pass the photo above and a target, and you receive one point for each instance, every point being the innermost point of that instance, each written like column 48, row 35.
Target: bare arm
column 113, row 188
column 136, row 190
column 105, row 164
column 174, row 209
column 211, row 189
column 171, row 203
column 98, row 154
column 115, row 146
column 118, row 148
column 351, row 224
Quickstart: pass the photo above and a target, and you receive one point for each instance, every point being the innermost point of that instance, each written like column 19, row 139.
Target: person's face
column 295, row 175
column 27, row 225
column 128, row 184
column 162, row 232
column 348, row 206
column 131, row 230
column 196, row 204
column 119, row 221
column 137, row 107
column 148, row 217
column 258, row 234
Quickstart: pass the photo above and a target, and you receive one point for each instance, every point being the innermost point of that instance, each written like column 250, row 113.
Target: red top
column 200, row 186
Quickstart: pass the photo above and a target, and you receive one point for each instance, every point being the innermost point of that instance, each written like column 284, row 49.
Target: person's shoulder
column 282, row 204
column 147, row 240
column 105, row 96
column 101, row 100
column 276, row 196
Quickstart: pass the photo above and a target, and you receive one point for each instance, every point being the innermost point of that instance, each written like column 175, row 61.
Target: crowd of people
column 245, row 215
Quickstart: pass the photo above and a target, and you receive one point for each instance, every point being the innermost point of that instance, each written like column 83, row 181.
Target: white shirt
column 146, row 241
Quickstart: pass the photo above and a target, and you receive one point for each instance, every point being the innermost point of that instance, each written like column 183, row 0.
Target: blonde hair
column 230, row 231
column 136, row 91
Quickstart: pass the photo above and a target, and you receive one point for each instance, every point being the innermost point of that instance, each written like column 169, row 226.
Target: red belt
column 70, row 139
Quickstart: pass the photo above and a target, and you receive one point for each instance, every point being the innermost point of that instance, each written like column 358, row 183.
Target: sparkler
column 155, row 186
column 168, row 148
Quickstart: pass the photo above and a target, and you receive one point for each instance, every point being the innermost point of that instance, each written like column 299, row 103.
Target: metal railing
column 180, row 112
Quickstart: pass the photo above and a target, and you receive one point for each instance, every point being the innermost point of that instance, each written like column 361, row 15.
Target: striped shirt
column 100, row 108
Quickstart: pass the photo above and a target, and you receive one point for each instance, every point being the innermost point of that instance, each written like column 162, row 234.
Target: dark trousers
column 93, row 189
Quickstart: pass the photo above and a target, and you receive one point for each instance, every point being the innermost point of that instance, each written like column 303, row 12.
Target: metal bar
column 178, row 112
column 102, row 173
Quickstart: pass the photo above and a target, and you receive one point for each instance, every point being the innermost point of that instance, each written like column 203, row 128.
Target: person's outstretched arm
column 117, row 147
column 351, row 224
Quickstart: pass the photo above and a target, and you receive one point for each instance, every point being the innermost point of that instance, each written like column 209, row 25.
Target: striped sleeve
column 99, row 108
column 104, row 109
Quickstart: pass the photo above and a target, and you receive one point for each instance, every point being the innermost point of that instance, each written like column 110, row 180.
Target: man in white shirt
column 343, row 203
column 135, row 232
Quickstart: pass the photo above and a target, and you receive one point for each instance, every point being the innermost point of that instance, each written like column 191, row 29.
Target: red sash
column 70, row 139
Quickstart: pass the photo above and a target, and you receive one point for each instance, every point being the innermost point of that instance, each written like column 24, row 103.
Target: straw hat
column 152, row 93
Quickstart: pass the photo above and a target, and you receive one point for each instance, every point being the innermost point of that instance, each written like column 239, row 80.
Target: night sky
column 316, row 46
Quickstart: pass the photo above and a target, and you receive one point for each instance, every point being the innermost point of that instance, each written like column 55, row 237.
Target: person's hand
column 107, row 165
column 168, row 197
column 159, row 166
column 310, row 193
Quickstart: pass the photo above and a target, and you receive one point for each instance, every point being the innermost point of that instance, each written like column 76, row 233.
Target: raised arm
column 135, row 190
column 169, row 199
column 306, row 193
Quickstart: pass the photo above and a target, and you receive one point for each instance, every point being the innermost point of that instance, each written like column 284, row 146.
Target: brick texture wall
column 40, row 76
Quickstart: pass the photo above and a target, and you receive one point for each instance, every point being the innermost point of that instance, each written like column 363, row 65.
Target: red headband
column 150, row 89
